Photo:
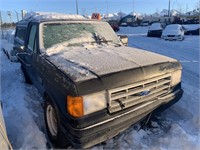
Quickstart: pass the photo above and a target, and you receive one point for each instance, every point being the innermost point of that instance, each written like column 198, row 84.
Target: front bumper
column 155, row 33
column 104, row 130
column 173, row 38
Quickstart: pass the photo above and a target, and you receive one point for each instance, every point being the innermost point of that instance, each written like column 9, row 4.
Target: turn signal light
column 75, row 106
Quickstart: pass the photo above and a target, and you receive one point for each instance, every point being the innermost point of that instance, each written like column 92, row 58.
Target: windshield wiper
column 100, row 39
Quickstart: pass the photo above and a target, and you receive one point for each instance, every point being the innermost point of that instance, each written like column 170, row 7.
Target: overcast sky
column 90, row 6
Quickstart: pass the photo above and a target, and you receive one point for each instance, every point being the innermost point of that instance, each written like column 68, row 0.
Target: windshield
column 78, row 33
column 172, row 27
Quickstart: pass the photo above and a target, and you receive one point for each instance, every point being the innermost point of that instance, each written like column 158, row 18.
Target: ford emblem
column 144, row 93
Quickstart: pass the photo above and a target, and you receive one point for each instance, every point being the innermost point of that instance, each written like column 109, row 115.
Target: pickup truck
column 93, row 86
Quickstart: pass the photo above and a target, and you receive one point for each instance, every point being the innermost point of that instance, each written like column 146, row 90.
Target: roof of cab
column 47, row 16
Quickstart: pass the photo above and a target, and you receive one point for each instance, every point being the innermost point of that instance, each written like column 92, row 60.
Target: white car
column 7, row 45
column 124, row 24
column 173, row 32
column 4, row 142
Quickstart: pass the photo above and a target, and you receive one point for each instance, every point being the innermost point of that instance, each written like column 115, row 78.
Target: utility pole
column 133, row 13
column 133, row 7
column 107, row 8
column 9, row 13
column 169, row 9
column 77, row 7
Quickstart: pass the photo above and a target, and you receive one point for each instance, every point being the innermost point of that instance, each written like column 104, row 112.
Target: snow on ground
column 176, row 128
column 22, row 108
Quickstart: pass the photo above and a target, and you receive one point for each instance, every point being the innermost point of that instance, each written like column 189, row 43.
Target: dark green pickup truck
column 94, row 87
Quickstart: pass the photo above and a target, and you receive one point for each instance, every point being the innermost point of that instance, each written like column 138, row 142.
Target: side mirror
column 19, row 48
column 21, row 58
column 123, row 39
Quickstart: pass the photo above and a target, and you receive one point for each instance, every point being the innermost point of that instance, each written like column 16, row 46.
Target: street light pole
column 77, row 7
column 169, row 9
column 9, row 13
column 107, row 9
column 17, row 15
column 133, row 7
column 133, row 13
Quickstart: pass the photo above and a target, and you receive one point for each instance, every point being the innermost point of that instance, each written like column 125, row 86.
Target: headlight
column 176, row 77
column 84, row 105
column 94, row 102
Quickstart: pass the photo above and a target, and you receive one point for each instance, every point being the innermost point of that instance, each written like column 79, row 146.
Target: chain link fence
column 9, row 18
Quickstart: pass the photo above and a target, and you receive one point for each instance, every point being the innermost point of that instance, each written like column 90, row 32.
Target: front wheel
column 53, row 125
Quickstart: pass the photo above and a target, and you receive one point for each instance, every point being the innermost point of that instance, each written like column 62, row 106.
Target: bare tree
column 197, row 7
column 180, row 9
column 157, row 12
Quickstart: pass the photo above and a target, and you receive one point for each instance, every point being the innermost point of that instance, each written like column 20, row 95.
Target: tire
column 53, row 125
column 26, row 77
column 4, row 50
column 7, row 55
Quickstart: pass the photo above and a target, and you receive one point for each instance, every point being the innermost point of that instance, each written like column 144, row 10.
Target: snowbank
column 22, row 129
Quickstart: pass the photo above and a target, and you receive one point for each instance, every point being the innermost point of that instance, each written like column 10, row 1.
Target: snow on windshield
column 77, row 33
column 173, row 27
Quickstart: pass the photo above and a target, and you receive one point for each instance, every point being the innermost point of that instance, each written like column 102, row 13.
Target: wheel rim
column 51, row 120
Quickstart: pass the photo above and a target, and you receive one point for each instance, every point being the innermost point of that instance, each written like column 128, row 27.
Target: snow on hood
column 155, row 26
column 50, row 16
column 84, row 62
column 172, row 30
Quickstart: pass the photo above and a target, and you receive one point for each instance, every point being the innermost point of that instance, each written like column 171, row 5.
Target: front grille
column 137, row 93
column 171, row 35
column 156, row 31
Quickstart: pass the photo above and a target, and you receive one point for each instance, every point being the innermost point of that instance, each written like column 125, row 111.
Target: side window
column 21, row 33
column 31, row 39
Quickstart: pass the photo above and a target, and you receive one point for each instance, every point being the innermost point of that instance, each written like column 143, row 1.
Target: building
column 133, row 19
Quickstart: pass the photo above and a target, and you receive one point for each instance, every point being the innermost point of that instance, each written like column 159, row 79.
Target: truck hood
column 89, row 63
